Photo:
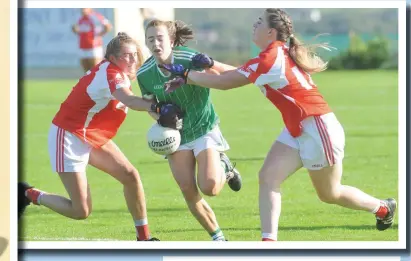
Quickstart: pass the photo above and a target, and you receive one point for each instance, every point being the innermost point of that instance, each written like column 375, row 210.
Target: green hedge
column 373, row 54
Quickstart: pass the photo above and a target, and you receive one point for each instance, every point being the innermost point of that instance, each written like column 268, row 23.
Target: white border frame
column 401, row 244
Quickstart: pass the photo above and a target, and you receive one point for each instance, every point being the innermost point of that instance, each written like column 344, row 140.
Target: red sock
column 142, row 232
column 33, row 195
column 268, row 239
column 382, row 211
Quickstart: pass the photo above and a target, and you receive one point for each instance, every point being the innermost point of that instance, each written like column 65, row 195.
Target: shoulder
column 114, row 75
column 147, row 65
column 267, row 58
column 117, row 79
column 97, row 17
column 274, row 51
column 184, row 52
column 184, row 49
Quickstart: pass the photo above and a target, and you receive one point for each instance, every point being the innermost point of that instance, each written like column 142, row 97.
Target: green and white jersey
column 199, row 115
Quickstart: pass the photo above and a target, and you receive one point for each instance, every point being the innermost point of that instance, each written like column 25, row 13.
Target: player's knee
column 82, row 213
column 328, row 197
column 209, row 188
column 269, row 178
column 131, row 177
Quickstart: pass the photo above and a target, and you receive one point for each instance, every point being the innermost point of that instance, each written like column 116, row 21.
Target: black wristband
column 154, row 108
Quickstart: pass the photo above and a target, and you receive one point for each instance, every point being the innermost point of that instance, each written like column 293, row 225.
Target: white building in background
column 48, row 47
column 126, row 20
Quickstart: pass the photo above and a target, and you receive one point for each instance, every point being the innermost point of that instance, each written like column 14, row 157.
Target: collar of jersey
column 274, row 44
column 159, row 70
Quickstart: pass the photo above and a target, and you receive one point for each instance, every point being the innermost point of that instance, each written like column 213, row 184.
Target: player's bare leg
column 111, row 160
column 280, row 163
column 211, row 175
column 214, row 170
column 327, row 183
column 182, row 164
column 78, row 206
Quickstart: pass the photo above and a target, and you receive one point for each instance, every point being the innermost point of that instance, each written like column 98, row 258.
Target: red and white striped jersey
column 89, row 27
column 90, row 111
column 286, row 85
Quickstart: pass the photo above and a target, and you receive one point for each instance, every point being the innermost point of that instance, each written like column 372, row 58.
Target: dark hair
column 177, row 30
column 303, row 55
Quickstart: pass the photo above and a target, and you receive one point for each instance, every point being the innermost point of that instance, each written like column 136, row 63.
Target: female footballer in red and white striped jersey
column 312, row 138
column 81, row 134
column 91, row 28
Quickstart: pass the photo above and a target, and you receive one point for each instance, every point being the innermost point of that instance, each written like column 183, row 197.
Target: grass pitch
column 366, row 103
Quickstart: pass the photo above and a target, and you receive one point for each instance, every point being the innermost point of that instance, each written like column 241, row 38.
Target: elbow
column 129, row 105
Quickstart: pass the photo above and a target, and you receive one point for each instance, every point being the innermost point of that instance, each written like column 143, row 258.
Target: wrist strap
column 154, row 108
column 186, row 73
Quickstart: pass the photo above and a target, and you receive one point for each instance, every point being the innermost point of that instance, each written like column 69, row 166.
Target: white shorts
column 321, row 144
column 96, row 52
column 213, row 139
column 67, row 152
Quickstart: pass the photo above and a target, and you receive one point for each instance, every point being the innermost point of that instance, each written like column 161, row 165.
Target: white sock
column 39, row 197
column 218, row 235
column 376, row 208
column 140, row 222
column 272, row 236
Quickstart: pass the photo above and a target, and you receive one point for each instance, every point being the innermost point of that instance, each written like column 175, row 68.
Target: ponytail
column 305, row 56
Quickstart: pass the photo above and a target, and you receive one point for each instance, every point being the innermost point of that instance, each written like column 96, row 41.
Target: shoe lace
column 232, row 166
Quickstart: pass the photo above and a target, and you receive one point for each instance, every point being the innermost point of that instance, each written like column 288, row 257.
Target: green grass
column 365, row 103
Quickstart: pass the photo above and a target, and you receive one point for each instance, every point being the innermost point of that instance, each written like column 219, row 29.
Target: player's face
column 261, row 32
column 159, row 43
column 128, row 58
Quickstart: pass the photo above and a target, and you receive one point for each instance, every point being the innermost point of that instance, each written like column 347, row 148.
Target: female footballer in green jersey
column 202, row 143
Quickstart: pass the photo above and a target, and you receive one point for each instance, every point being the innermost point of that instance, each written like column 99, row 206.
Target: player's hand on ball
column 171, row 115
column 174, row 84
column 202, row 61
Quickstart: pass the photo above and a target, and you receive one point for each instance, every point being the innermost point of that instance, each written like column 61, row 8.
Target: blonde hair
column 177, row 30
column 303, row 55
column 114, row 48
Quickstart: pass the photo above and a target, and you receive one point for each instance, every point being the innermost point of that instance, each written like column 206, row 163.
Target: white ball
column 162, row 140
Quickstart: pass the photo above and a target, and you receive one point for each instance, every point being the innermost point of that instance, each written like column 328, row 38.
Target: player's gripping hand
column 176, row 70
column 171, row 115
column 202, row 61
column 174, row 84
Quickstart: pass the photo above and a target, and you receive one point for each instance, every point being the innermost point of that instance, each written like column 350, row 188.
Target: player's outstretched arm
column 228, row 80
column 132, row 101
column 202, row 60
column 181, row 75
column 222, row 67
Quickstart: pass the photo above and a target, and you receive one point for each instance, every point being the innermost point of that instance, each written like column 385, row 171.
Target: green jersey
column 199, row 115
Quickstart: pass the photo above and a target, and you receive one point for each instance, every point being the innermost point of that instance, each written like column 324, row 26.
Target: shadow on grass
column 240, row 159
column 155, row 210
column 293, row 228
